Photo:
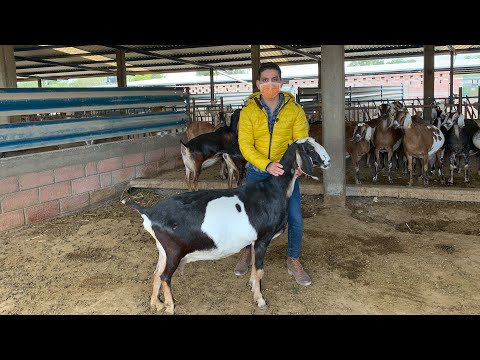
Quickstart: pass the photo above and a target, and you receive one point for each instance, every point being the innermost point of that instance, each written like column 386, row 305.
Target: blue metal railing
column 27, row 135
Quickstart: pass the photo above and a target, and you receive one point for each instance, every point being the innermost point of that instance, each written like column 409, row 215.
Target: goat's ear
column 368, row 133
column 461, row 120
column 304, row 161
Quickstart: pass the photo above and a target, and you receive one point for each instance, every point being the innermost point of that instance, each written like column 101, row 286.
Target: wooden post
column 121, row 69
column 459, row 108
column 428, row 79
column 255, row 51
column 194, row 110
column 39, row 82
column 212, row 88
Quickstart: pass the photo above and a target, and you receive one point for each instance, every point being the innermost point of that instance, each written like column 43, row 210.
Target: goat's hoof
column 157, row 306
column 262, row 304
column 170, row 310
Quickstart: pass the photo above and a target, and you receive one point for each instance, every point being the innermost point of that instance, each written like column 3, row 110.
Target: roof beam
column 300, row 52
column 172, row 58
column 53, row 63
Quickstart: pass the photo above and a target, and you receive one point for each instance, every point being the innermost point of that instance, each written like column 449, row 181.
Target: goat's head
column 310, row 154
column 402, row 119
column 362, row 130
column 385, row 111
column 455, row 118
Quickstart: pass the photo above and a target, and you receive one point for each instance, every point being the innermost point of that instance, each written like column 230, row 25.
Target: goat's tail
column 137, row 207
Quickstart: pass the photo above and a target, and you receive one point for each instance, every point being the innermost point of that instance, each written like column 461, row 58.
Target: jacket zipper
column 271, row 133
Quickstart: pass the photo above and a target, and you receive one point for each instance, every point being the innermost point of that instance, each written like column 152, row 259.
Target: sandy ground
column 384, row 257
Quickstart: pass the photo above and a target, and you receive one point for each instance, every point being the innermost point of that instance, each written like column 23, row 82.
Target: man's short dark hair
column 269, row 66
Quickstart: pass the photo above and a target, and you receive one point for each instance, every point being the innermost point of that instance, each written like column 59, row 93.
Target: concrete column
column 333, row 122
column 320, row 83
column 428, row 78
column 255, row 51
column 121, row 69
column 319, row 74
column 8, row 74
column 451, row 79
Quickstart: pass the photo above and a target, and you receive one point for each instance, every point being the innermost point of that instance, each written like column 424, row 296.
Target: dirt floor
column 377, row 256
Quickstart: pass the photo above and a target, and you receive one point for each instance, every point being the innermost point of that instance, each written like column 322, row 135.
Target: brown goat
column 421, row 141
column 357, row 144
column 385, row 138
column 196, row 128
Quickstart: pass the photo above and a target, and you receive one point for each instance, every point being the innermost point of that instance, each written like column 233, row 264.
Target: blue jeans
column 295, row 220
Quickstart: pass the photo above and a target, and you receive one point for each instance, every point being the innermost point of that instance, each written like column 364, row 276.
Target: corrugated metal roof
column 67, row 61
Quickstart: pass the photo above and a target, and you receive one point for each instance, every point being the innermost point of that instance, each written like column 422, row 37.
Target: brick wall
column 40, row 195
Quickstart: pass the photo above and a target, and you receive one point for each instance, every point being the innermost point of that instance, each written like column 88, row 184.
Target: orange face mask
column 270, row 90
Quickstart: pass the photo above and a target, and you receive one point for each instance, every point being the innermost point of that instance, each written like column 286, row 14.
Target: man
column 271, row 121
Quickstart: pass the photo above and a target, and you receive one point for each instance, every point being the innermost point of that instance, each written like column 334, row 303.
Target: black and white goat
column 213, row 224
column 460, row 143
column 206, row 149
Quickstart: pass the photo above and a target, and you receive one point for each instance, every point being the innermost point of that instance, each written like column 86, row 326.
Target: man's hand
column 275, row 168
column 298, row 172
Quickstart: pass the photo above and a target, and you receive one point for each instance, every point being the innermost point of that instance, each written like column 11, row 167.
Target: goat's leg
column 196, row 175
column 223, row 169
column 171, row 265
column 425, row 168
column 258, row 255
column 452, row 167
column 439, row 160
column 390, row 164
column 466, row 156
column 253, row 273
column 187, row 178
column 478, row 163
column 154, row 300
column 410, row 169
column 377, row 160
column 356, row 164
column 368, row 159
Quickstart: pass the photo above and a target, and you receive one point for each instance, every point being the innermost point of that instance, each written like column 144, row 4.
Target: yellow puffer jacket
column 257, row 145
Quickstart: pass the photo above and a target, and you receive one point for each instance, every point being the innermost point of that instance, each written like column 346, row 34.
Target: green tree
column 145, row 77
column 367, row 62
column 400, row 61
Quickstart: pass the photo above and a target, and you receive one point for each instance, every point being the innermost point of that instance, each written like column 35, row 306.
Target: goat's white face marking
column 229, row 228
column 318, row 148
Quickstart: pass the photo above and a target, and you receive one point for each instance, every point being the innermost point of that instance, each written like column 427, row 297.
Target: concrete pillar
column 333, row 123
column 320, row 74
column 319, row 83
column 255, row 51
column 428, row 78
column 8, row 74
column 451, row 79
column 121, row 69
